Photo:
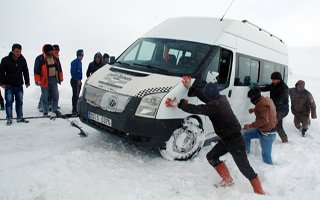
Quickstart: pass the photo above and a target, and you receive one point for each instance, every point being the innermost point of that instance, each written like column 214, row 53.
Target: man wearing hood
column 264, row 125
column 13, row 70
column 279, row 93
column 302, row 103
column 228, row 128
column 96, row 64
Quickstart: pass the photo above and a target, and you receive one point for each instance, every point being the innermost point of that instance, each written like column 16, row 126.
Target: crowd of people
column 14, row 73
column 269, row 112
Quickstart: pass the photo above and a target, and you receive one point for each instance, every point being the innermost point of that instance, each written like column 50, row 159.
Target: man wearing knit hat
column 263, row 127
column 47, row 73
column 279, row 93
column 228, row 128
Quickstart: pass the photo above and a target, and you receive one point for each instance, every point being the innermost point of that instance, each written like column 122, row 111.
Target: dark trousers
column 1, row 101
column 75, row 93
column 279, row 127
column 301, row 119
column 237, row 148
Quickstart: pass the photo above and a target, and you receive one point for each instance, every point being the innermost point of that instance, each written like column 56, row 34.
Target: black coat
column 13, row 71
column 279, row 94
column 225, row 123
column 93, row 66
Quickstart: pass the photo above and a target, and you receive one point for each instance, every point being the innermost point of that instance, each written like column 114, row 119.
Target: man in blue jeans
column 264, row 125
column 13, row 70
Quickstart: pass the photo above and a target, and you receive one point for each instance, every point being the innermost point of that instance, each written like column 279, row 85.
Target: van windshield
column 164, row 56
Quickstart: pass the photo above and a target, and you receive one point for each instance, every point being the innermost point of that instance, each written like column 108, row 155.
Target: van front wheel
column 185, row 142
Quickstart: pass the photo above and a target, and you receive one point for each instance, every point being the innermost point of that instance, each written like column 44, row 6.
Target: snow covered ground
column 46, row 159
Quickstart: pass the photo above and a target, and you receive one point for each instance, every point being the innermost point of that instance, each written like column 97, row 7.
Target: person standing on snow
column 55, row 54
column 13, row 69
column 279, row 93
column 302, row 103
column 264, row 125
column 47, row 73
column 96, row 64
column 76, row 77
column 228, row 128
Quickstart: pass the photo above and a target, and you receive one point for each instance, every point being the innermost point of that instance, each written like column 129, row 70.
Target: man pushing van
column 227, row 127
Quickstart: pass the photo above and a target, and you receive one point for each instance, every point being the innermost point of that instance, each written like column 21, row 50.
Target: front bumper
column 140, row 130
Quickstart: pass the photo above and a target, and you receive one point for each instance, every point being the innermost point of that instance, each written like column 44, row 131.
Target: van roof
column 214, row 32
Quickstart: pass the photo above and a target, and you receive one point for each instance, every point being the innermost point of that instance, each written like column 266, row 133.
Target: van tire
column 185, row 142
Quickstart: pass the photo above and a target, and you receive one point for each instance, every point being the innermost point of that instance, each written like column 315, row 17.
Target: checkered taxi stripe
column 145, row 92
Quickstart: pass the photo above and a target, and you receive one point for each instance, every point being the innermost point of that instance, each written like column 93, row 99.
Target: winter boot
column 9, row 122
column 256, row 184
column 224, row 174
column 284, row 139
column 303, row 131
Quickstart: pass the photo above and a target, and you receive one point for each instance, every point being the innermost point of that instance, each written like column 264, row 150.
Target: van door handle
column 230, row 93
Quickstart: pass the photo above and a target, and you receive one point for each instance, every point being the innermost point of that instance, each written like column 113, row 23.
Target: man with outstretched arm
column 227, row 127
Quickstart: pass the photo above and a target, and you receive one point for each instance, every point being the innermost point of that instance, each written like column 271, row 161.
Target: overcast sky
column 111, row 25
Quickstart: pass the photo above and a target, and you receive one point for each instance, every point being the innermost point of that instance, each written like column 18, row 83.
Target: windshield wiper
column 152, row 67
column 123, row 63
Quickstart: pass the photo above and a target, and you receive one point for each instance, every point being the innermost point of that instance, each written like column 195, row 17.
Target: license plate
column 101, row 119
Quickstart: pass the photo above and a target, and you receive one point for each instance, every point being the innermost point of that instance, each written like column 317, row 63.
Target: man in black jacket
column 96, row 64
column 13, row 70
column 227, row 127
column 279, row 93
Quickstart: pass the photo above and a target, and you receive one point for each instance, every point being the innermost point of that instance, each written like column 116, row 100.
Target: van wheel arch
column 186, row 141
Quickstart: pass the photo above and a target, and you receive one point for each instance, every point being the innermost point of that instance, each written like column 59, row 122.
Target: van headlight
column 149, row 105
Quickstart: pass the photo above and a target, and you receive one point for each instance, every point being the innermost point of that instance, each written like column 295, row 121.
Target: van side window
column 247, row 71
column 221, row 62
column 225, row 66
column 267, row 69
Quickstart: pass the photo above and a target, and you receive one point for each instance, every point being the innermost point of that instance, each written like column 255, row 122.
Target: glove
column 192, row 91
column 171, row 102
column 186, row 81
column 182, row 101
column 247, row 127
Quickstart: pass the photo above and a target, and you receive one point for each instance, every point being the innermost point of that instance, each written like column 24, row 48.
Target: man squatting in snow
column 228, row 128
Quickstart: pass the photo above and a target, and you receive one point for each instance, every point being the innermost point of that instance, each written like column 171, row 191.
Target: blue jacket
column 76, row 69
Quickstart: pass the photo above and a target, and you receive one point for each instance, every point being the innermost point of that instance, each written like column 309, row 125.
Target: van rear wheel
column 185, row 142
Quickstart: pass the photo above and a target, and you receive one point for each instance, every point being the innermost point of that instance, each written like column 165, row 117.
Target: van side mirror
column 112, row 59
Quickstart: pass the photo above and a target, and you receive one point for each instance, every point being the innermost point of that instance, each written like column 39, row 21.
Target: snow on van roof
column 196, row 29
column 209, row 30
